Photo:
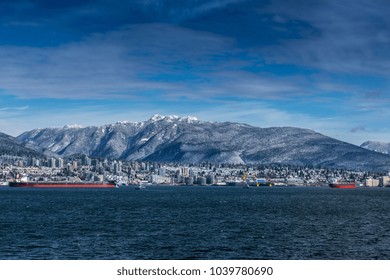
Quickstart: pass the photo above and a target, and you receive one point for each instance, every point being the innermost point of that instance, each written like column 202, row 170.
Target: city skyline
column 320, row 65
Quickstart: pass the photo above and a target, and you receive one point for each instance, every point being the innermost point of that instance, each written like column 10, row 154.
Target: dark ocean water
column 195, row 223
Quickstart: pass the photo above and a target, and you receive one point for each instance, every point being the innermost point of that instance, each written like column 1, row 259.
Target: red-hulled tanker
column 342, row 185
column 63, row 184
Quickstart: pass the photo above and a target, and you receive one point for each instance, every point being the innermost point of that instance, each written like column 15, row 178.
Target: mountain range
column 10, row 146
column 188, row 140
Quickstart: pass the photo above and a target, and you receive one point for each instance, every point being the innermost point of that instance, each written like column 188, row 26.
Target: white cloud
column 14, row 108
column 111, row 65
column 349, row 36
column 168, row 60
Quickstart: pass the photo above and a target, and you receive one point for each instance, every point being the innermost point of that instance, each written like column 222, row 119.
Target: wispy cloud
column 135, row 61
column 348, row 36
column 14, row 108
column 167, row 59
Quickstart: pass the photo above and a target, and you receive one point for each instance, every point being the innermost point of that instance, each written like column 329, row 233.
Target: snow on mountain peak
column 156, row 118
column 189, row 119
column 171, row 118
column 123, row 122
column 70, row 126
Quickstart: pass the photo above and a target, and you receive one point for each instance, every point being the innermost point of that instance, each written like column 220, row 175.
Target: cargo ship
column 342, row 185
column 264, row 183
column 63, row 184
column 258, row 182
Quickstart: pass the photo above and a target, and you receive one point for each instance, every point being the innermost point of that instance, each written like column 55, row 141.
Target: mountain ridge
column 189, row 140
column 376, row 146
column 10, row 146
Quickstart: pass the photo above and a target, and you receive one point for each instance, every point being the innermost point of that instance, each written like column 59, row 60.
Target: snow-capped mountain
column 186, row 139
column 10, row 146
column 376, row 146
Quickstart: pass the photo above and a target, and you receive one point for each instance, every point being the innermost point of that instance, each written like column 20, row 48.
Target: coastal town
column 85, row 169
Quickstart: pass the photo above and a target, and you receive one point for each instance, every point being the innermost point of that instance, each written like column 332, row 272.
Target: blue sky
column 321, row 65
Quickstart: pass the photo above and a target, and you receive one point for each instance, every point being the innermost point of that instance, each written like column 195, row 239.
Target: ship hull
column 343, row 185
column 61, row 185
column 264, row 184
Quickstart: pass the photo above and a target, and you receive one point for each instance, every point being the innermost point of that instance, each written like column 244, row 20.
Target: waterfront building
column 210, row 179
column 384, row 181
column 189, row 180
column 202, row 181
column 371, row 182
column 162, row 172
column 185, row 172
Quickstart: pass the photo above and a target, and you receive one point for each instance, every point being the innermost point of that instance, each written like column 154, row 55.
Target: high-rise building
column 117, row 167
column 87, row 161
column 162, row 172
column 60, row 163
column 185, row 171
column 52, row 162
